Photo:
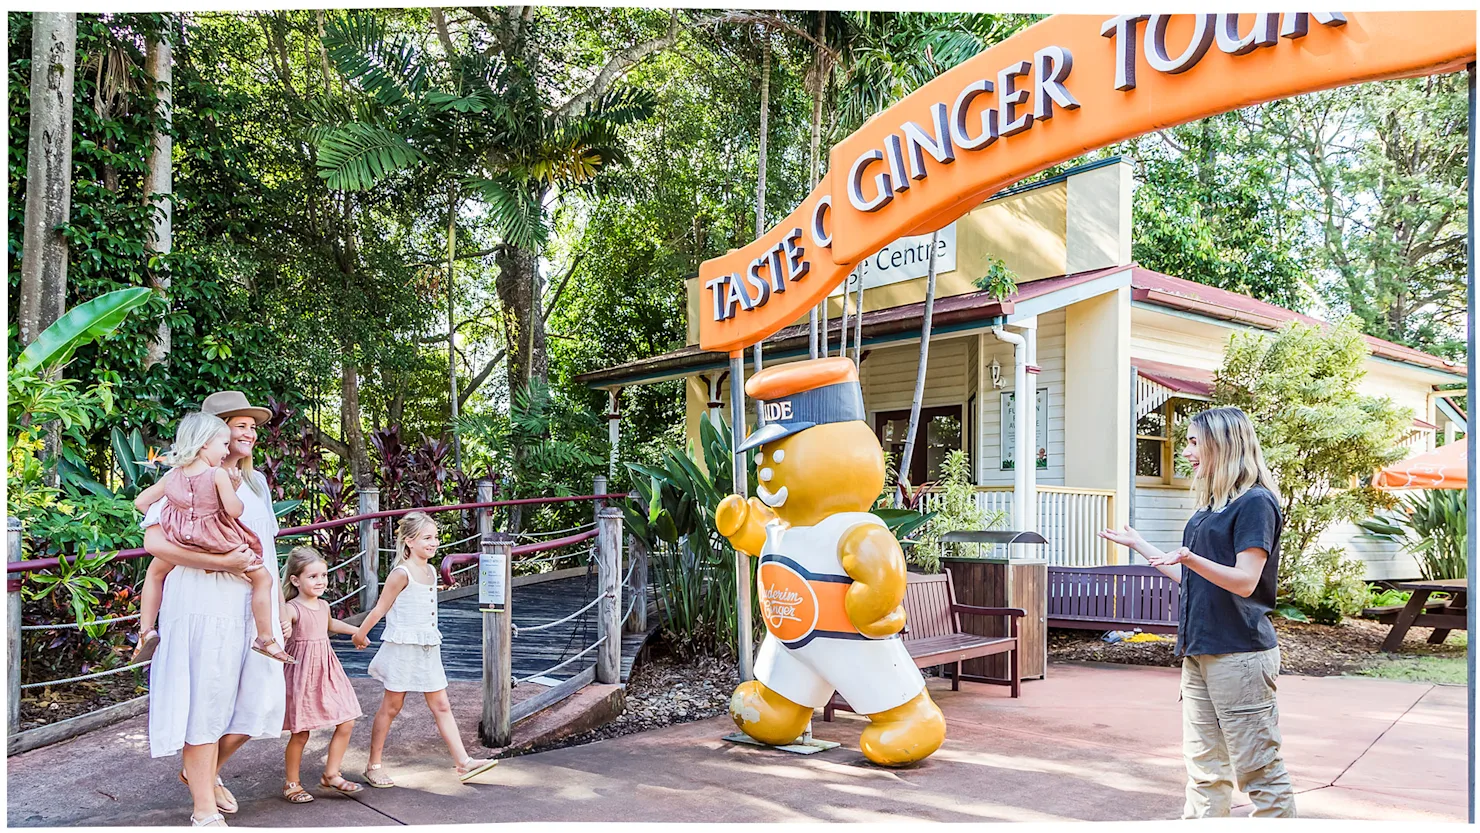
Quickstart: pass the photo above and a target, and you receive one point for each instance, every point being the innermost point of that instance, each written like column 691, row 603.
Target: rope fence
column 346, row 562
column 546, row 626
column 552, row 669
column 538, row 535
column 94, row 676
column 76, row 625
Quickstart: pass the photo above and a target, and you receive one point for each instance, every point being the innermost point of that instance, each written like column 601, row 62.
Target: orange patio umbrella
column 1442, row 468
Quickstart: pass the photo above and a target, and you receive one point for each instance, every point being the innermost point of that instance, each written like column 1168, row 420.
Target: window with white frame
column 1160, row 435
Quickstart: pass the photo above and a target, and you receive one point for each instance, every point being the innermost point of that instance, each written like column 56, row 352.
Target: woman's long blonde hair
column 298, row 560
column 1229, row 460
column 194, row 432
column 411, row 525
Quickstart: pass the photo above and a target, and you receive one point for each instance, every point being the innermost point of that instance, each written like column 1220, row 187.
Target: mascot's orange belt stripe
column 799, row 606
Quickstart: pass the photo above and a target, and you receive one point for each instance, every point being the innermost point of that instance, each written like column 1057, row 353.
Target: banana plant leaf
column 283, row 507
column 84, row 323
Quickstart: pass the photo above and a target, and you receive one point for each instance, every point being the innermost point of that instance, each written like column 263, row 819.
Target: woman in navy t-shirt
column 1227, row 566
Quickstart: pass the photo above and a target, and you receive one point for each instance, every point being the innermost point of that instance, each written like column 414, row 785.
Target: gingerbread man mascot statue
column 831, row 577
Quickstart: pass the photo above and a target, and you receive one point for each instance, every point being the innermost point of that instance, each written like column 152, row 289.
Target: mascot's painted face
column 837, row 467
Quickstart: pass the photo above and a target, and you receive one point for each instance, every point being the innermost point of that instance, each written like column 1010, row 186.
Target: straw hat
column 231, row 403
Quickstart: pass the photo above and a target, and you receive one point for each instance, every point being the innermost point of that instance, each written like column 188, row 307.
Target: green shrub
column 691, row 566
column 1431, row 525
column 955, row 509
column 1321, row 584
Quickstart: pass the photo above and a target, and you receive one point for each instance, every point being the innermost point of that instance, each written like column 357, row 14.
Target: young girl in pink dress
column 319, row 692
column 202, row 512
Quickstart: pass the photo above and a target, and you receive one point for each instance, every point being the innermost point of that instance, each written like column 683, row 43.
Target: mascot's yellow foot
column 767, row 716
column 904, row 734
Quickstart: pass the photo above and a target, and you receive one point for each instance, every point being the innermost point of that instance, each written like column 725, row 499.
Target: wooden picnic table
column 1453, row 616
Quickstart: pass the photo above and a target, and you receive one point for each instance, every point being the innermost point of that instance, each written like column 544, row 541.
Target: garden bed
column 663, row 692
column 1305, row 648
column 43, row 707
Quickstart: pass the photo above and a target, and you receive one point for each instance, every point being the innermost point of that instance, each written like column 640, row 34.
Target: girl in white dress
column 410, row 655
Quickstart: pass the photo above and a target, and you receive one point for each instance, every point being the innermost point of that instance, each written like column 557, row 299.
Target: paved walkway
column 1091, row 742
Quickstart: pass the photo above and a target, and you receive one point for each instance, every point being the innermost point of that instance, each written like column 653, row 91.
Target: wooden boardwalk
column 534, row 604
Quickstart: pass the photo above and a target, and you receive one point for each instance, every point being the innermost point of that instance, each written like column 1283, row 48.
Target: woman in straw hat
column 208, row 691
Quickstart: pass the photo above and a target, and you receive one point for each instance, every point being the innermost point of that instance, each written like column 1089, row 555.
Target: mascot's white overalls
column 831, row 576
column 811, row 648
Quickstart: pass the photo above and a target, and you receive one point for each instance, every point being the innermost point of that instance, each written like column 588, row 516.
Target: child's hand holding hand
column 360, row 639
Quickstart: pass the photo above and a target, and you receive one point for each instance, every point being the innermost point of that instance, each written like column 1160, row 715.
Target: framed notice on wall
column 1009, row 430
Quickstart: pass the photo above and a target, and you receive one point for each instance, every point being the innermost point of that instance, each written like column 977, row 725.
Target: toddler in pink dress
column 320, row 695
column 202, row 512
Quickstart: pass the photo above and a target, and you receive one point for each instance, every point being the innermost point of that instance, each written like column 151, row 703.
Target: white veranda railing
column 1068, row 517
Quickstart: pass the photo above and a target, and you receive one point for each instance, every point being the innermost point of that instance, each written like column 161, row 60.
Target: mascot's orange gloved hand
column 744, row 524
column 873, row 559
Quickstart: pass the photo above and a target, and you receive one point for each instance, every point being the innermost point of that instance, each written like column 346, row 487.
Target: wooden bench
column 933, row 634
column 1388, row 614
column 1119, row 595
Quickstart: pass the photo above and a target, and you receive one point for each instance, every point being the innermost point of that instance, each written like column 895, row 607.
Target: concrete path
column 1091, row 742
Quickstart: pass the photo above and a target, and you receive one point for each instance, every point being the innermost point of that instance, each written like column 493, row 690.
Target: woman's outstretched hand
column 1177, row 556
column 1126, row 537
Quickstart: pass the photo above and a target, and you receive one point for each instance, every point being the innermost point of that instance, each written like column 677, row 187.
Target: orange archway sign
column 1059, row 89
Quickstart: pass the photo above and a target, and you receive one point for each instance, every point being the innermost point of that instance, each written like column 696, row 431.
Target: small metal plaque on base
column 801, row 746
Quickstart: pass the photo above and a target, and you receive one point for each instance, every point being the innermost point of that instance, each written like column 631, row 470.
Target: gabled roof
column 1178, row 293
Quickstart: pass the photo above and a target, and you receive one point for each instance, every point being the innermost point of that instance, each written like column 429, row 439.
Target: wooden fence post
column 485, row 515
column 609, row 612
column 598, row 487
column 494, row 730
column 637, row 556
column 369, row 550
column 13, row 627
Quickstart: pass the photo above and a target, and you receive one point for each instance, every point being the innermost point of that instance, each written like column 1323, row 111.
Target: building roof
column 979, row 308
column 1173, row 377
column 1178, row 293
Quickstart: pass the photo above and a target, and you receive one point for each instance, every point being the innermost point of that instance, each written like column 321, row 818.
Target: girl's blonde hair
column 411, row 525
column 1229, row 459
column 299, row 559
column 194, row 432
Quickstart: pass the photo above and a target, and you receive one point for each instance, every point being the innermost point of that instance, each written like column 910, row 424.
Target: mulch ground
column 1305, row 648
column 41, row 707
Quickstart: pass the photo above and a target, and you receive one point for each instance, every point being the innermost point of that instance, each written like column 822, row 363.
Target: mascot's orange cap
column 794, row 397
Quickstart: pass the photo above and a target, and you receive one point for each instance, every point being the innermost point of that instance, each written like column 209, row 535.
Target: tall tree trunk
column 349, row 414
column 48, row 173
column 158, row 186
column 909, row 437
column 760, row 178
column 524, row 331
column 451, row 326
column 48, row 189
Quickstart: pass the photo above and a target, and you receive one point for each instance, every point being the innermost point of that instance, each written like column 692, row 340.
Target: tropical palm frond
column 355, row 156
column 515, row 209
column 623, row 105
column 385, row 66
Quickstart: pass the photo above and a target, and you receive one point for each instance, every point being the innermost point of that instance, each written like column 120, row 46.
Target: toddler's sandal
column 376, row 777
column 294, row 793
column 213, row 820
column 269, row 648
column 339, row 783
column 145, row 649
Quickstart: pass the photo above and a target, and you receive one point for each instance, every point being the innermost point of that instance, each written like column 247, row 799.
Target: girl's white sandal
column 213, row 820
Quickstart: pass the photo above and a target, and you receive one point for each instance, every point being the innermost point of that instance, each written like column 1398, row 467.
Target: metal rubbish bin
column 998, row 581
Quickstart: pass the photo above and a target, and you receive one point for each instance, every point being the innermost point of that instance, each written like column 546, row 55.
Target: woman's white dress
column 410, row 655
column 206, row 681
